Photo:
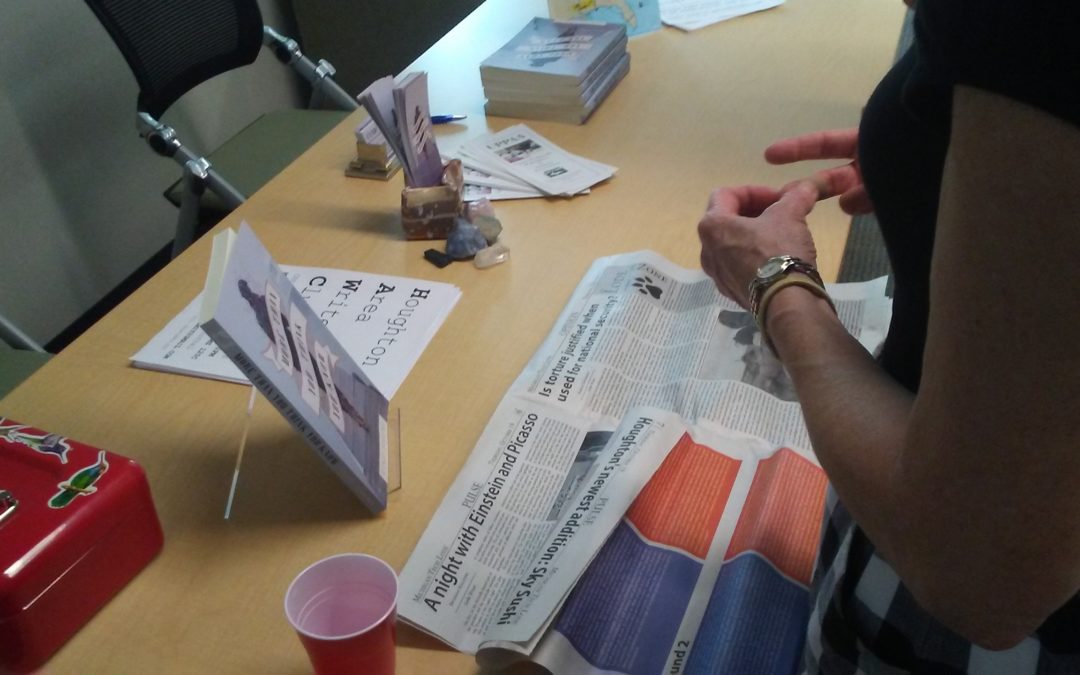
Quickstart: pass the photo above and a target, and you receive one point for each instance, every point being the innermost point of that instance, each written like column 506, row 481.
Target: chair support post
column 194, row 182
column 320, row 76
column 198, row 175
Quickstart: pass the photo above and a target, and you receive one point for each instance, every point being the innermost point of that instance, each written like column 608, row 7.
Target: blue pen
column 443, row 119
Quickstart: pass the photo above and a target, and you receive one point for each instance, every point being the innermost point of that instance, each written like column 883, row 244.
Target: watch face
column 771, row 267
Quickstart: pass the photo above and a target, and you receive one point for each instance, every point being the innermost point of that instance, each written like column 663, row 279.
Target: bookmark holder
column 429, row 212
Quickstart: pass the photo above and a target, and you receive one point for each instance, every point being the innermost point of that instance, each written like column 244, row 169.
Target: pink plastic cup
column 344, row 608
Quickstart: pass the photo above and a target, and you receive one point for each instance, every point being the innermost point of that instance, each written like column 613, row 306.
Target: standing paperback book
column 414, row 124
column 402, row 114
column 263, row 324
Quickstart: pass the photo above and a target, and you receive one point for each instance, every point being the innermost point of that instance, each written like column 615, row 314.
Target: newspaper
column 471, row 193
column 481, row 184
column 488, row 176
column 718, row 546
column 640, row 339
column 489, row 184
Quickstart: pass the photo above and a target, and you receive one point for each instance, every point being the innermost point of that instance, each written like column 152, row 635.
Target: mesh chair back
column 173, row 46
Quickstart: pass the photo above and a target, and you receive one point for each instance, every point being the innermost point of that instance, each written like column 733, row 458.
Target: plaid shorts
column 863, row 620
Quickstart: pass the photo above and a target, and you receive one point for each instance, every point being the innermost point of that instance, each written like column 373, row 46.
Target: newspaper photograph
column 699, row 515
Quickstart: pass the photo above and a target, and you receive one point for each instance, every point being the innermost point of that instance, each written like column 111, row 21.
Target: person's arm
column 969, row 489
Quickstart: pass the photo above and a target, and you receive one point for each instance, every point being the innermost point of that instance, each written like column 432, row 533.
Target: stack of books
column 555, row 70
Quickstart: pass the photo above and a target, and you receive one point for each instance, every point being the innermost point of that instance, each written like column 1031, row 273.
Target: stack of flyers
column 690, row 15
column 517, row 163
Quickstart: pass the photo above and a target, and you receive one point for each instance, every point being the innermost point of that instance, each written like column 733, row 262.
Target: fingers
column 832, row 144
column 856, row 202
column 831, row 182
column 744, row 200
column 797, row 200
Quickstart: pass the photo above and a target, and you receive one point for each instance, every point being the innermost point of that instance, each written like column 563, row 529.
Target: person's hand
column 745, row 226
column 845, row 181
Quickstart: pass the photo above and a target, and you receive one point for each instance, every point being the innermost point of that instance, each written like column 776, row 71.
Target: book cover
column 263, row 324
column 378, row 100
column 414, row 125
column 565, row 51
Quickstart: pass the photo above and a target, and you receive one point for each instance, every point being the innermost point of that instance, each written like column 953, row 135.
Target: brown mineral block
column 429, row 212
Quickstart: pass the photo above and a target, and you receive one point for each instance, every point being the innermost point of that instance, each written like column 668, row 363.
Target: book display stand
column 430, row 212
column 393, row 453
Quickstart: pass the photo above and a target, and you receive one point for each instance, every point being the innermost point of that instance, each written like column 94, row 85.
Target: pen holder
column 429, row 212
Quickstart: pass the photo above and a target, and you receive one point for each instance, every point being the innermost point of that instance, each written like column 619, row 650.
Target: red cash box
column 76, row 524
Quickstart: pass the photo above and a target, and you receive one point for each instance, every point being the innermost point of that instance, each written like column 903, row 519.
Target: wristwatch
column 774, row 269
column 776, row 273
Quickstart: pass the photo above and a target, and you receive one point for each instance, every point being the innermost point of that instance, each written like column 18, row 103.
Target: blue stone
column 465, row 240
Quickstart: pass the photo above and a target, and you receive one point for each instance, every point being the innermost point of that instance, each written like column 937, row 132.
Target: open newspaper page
column 638, row 333
column 708, row 572
column 543, row 483
column 609, row 472
column 640, row 330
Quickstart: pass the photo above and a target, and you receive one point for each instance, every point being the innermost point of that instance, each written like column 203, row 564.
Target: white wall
column 80, row 192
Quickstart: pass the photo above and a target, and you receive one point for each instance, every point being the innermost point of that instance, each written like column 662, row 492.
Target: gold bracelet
column 794, row 279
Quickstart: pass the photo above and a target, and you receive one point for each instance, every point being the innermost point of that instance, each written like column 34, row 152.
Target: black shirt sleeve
column 1028, row 50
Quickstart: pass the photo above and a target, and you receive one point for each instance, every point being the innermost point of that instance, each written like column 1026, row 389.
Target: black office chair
column 173, row 46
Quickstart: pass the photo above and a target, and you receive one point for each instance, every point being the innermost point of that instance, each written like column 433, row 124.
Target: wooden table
column 695, row 112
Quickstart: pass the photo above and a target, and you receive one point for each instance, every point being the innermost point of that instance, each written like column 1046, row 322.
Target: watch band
column 785, row 271
column 781, row 266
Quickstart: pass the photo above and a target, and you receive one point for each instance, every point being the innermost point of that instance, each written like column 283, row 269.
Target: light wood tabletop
column 695, row 112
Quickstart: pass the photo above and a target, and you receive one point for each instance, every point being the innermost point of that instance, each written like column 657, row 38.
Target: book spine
column 229, row 347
